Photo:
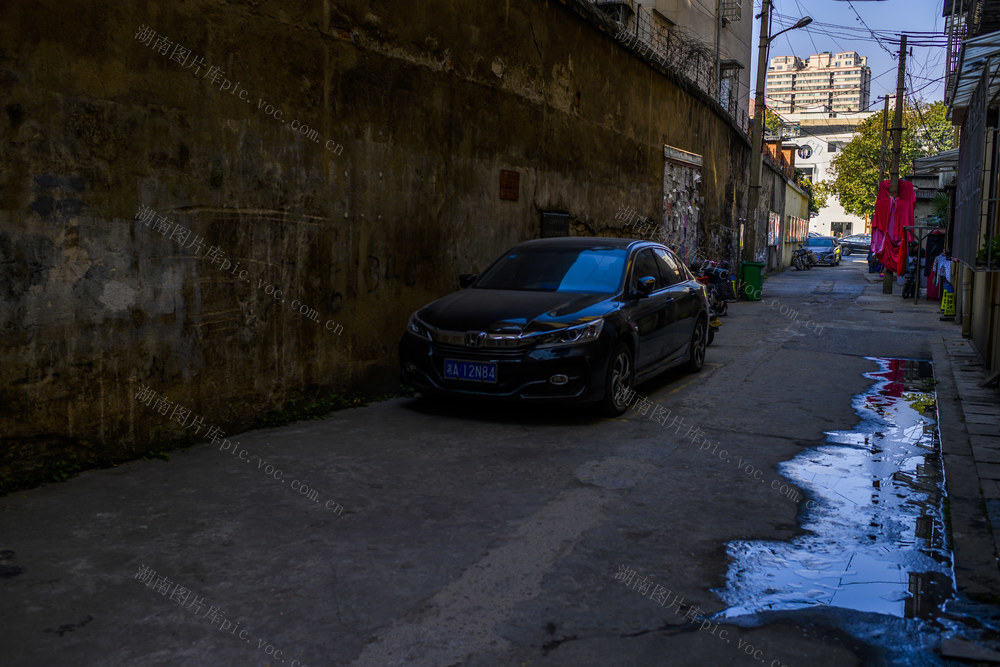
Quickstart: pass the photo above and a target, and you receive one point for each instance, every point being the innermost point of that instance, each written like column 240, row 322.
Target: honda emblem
column 475, row 338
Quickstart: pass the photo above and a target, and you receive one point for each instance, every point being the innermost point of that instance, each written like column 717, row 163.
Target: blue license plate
column 474, row 371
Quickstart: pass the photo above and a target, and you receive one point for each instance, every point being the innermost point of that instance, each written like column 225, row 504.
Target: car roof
column 582, row 242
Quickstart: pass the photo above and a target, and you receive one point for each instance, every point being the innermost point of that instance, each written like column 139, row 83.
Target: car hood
column 512, row 311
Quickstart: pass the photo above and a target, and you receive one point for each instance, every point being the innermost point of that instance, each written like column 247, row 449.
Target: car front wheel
column 618, row 381
column 847, row 251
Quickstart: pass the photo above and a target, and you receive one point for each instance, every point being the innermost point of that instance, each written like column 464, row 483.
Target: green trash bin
column 751, row 280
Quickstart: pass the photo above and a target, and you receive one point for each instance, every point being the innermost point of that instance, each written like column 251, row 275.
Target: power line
column 928, row 84
column 911, row 95
column 923, row 123
column 811, row 40
column 851, row 5
column 866, row 34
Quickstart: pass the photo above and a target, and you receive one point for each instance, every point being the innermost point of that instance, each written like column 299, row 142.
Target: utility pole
column 897, row 121
column 897, row 144
column 757, row 132
column 885, row 129
column 881, row 160
column 718, row 53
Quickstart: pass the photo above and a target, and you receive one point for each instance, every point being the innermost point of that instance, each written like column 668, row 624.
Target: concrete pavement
column 470, row 534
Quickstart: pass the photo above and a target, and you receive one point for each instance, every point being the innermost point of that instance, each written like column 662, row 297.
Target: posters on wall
column 797, row 230
column 681, row 200
column 773, row 228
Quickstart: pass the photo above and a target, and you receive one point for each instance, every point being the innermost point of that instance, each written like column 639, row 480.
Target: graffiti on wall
column 681, row 200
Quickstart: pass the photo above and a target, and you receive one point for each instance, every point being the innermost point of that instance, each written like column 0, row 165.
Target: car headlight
column 418, row 328
column 575, row 335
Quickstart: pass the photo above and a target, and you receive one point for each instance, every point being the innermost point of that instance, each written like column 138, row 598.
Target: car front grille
column 470, row 342
column 476, row 353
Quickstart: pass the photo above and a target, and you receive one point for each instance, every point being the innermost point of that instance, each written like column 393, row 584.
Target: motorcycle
column 702, row 271
column 717, row 283
column 722, row 280
column 803, row 258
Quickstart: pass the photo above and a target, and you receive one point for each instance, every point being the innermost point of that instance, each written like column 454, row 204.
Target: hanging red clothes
column 891, row 215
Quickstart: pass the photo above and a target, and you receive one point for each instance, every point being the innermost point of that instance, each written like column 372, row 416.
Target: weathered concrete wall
column 797, row 204
column 780, row 196
column 796, row 201
column 772, row 195
column 985, row 320
column 416, row 107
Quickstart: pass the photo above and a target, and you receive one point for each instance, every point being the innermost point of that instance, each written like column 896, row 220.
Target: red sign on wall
column 510, row 184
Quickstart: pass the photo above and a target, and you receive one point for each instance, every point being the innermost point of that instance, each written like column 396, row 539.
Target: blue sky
column 924, row 67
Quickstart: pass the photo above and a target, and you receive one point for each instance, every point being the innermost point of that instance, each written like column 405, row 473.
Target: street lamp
column 757, row 134
column 802, row 23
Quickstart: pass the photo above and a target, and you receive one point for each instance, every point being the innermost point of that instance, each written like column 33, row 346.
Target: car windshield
column 585, row 271
column 820, row 242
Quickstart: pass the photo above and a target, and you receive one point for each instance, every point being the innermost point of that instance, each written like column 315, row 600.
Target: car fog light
column 559, row 379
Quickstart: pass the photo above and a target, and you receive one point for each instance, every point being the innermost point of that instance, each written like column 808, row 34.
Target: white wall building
column 698, row 40
column 821, row 135
column 731, row 23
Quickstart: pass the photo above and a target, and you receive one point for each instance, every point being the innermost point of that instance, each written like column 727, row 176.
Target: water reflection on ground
column 875, row 539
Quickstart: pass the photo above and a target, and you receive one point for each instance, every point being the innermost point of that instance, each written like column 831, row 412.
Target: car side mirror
column 466, row 279
column 646, row 285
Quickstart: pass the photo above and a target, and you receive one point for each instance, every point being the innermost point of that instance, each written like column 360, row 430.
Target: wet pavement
column 874, row 534
column 478, row 535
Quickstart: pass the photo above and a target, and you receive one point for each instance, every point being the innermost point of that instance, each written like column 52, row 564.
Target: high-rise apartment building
column 830, row 82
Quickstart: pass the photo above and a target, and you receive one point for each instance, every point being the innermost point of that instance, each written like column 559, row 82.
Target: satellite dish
column 805, row 152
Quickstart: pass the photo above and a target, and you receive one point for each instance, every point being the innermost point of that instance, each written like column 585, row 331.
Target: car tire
column 696, row 348
column 847, row 251
column 619, row 380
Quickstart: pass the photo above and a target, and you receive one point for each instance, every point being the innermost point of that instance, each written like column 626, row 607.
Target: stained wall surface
column 345, row 154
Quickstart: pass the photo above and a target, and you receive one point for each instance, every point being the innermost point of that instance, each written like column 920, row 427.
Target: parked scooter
column 910, row 286
column 717, row 282
column 727, row 282
column 701, row 269
column 721, row 281
column 803, row 258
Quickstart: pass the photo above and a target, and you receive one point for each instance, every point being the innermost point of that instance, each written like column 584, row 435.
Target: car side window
column 669, row 268
column 646, row 265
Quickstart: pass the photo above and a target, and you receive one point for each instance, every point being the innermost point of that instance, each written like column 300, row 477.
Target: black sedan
column 570, row 319
column 856, row 243
column 825, row 248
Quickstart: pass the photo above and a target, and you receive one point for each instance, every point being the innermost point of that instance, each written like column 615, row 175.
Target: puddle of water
column 875, row 539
